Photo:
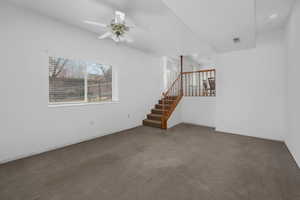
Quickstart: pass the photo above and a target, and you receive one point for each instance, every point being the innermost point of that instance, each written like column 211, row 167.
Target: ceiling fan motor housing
column 119, row 28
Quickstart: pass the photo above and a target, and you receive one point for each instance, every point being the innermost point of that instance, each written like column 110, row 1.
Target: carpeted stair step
column 171, row 98
column 166, row 101
column 152, row 123
column 160, row 106
column 157, row 111
column 156, row 117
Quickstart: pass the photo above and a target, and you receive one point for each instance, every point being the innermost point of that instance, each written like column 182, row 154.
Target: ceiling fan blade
column 105, row 35
column 95, row 23
column 130, row 25
column 127, row 38
column 115, row 38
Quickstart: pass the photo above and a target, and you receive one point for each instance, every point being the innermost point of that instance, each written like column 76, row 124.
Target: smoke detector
column 236, row 40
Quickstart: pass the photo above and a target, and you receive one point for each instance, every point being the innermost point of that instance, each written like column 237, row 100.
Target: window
column 72, row 81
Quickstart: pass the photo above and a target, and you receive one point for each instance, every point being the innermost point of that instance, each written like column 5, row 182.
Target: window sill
column 56, row 105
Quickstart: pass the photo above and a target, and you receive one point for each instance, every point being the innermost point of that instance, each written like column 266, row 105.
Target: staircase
column 166, row 105
column 194, row 83
column 157, row 117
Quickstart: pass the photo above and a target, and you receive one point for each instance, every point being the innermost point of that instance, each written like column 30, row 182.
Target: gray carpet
column 186, row 163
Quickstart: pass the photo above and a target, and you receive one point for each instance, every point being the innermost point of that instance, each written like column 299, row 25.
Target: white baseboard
column 195, row 124
column 248, row 135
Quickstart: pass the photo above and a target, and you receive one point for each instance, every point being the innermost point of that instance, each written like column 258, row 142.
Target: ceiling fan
column 117, row 30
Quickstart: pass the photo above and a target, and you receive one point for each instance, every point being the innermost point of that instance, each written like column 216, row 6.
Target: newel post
column 181, row 70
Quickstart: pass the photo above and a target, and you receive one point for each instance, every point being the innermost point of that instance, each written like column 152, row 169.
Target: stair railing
column 170, row 99
column 199, row 83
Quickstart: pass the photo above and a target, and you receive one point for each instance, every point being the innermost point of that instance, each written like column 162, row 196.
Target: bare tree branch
column 59, row 68
column 62, row 67
column 55, row 67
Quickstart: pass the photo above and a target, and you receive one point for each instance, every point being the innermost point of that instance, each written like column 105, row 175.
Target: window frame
column 113, row 100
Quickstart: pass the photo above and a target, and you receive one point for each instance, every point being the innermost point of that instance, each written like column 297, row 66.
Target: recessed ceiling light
column 273, row 16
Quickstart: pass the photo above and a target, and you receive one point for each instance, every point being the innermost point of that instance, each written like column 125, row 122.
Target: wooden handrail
column 204, row 70
column 170, row 88
column 174, row 95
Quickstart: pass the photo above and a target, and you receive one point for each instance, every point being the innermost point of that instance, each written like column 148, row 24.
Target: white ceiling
column 266, row 8
column 218, row 22
column 158, row 30
column 173, row 27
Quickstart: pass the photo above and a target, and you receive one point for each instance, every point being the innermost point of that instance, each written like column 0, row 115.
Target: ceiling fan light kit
column 117, row 29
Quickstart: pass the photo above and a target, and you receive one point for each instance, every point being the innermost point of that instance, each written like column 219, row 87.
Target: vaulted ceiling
column 219, row 22
column 173, row 27
column 157, row 30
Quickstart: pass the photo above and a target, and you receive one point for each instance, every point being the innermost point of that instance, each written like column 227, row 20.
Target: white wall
column 194, row 110
column 171, row 70
column 189, row 64
column 293, row 114
column 28, row 125
column 176, row 117
column 199, row 110
column 251, row 90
